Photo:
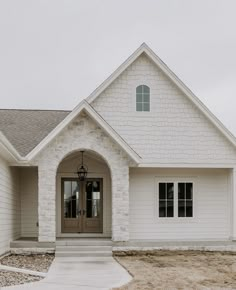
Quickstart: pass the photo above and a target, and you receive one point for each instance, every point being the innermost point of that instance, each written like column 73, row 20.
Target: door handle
column 79, row 212
column 84, row 211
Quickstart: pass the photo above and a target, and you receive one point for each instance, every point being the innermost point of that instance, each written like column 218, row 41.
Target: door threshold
column 82, row 235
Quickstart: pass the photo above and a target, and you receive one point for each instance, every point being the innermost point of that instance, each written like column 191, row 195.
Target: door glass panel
column 71, row 199
column 89, row 191
column 96, row 186
column 93, row 197
column 96, row 195
column 89, row 208
column 73, row 208
column 67, row 189
column 74, row 189
column 67, row 211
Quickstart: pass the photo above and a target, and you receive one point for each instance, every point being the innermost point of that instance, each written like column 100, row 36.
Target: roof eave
column 8, row 151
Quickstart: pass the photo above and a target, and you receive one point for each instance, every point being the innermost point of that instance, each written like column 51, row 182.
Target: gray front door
column 81, row 205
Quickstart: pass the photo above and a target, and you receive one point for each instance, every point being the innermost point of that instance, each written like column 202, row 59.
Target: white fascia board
column 186, row 165
column 95, row 116
column 144, row 48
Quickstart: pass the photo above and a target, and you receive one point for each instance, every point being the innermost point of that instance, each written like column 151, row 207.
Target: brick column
column 46, row 205
column 120, row 204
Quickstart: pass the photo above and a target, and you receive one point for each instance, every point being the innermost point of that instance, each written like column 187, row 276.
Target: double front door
column 81, row 205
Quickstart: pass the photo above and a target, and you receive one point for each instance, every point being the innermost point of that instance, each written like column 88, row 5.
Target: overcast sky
column 54, row 53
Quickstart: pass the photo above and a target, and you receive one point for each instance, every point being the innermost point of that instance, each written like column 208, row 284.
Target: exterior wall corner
column 233, row 215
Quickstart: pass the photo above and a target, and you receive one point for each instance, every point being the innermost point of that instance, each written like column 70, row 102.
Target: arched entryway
column 83, row 207
column 83, row 133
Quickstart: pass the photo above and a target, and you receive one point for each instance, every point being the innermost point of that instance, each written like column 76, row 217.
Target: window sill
column 177, row 220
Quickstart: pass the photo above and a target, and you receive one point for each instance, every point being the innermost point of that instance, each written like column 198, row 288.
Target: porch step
column 83, row 242
column 84, row 254
column 83, row 248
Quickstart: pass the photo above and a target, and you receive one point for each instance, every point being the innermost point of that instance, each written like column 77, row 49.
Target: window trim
column 176, row 180
column 135, row 103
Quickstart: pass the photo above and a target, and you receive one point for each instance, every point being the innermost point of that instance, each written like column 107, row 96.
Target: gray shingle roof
column 26, row 128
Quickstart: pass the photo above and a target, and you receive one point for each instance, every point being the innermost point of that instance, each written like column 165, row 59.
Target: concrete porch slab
column 31, row 243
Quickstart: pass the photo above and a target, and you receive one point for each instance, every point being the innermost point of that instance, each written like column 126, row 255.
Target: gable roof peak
column 144, row 48
column 144, row 45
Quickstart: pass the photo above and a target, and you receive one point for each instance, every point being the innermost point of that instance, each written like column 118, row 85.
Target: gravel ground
column 180, row 270
column 39, row 263
column 13, row 278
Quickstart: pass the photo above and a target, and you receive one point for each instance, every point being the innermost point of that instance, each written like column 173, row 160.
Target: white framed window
column 142, row 98
column 185, row 199
column 175, row 199
column 166, row 199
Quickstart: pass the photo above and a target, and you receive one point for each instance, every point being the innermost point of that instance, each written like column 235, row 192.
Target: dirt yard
column 171, row 270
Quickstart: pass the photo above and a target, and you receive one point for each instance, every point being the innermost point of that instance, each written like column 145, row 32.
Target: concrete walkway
column 80, row 274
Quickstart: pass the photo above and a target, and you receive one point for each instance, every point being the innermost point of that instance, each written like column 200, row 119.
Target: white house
column 160, row 166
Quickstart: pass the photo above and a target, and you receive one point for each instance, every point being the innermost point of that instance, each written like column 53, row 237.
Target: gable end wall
column 175, row 131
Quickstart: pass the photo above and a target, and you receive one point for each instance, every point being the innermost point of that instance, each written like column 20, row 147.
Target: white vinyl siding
column 29, row 201
column 173, row 132
column 211, row 219
column 9, row 205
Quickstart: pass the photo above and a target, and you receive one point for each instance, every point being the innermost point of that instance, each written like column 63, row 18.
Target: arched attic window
column 142, row 98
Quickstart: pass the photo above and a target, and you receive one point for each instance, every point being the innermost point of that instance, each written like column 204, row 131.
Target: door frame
column 82, row 203
column 107, row 194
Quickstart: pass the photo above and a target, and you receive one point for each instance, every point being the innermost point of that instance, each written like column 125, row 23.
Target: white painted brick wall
column 82, row 133
column 174, row 131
